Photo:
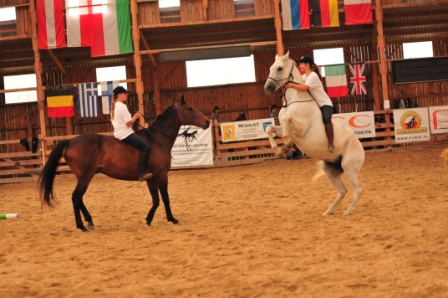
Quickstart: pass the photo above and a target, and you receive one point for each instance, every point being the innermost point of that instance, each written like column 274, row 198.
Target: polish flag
column 103, row 25
column 50, row 24
column 358, row 12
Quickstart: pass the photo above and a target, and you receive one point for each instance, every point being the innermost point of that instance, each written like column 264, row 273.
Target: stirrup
column 145, row 176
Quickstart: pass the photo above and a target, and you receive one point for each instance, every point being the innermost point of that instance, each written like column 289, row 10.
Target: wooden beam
column 57, row 62
column 252, row 45
column 219, row 21
column 38, row 72
column 139, row 89
column 278, row 28
column 382, row 55
column 145, row 44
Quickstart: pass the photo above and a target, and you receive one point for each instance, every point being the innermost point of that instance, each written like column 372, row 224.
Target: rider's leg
column 329, row 133
column 327, row 112
column 143, row 146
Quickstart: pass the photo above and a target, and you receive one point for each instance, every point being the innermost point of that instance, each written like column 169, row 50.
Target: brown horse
column 89, row 154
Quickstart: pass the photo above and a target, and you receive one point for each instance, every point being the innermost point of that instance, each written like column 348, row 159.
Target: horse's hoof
column 327, row 213
column 348, row 213
column 175, row 221
column 91, row 225
column 83, row 229
column 147, row 225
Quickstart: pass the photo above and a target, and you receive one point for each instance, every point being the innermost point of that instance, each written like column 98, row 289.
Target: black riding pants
column 137, row 142
column 327, row 112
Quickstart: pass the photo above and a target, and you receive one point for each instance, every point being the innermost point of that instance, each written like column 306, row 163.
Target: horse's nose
column 269, row 88
column 206, row 125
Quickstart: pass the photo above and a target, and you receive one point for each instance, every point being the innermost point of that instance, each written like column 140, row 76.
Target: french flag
column 295, row 14
column 50, row 24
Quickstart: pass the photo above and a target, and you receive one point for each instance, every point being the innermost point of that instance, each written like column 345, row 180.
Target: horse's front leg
column 278, row 131
column 154, row 191
column 292, row 126
column 163, row 187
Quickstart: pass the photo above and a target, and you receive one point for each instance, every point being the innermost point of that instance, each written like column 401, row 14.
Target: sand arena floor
column 248, row 231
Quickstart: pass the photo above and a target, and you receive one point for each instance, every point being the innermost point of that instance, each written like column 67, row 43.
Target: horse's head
column 280, row 73
column 189, row 115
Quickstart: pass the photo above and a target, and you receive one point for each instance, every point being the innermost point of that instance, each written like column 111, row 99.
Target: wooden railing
column 26, row 166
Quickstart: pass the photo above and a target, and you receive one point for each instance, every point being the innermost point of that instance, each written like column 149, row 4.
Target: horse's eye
column 280, row 69
column 191, row 109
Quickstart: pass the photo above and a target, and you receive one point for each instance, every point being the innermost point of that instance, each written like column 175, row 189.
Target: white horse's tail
column 319, row 172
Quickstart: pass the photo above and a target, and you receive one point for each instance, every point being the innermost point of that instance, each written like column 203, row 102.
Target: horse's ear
column 182, row 100
column 286, row 55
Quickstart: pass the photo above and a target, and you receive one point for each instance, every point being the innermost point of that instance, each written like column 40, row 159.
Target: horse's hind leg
column 78, row 204
column 334, row 173
column 352, row 177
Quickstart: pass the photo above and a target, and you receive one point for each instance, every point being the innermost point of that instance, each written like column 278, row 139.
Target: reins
column 167, row 135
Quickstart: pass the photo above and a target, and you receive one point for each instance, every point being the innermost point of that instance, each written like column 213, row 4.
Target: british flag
column 357, row 79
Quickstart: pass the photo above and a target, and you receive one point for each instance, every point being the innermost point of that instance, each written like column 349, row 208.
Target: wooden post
column 137, row 60
column 381, row 46
column 278, row 28
column 38, row 72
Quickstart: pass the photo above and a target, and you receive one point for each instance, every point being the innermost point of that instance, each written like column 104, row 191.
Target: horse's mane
column 164, row 114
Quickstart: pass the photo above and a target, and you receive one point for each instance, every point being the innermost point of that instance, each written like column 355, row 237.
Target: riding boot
column 329, row 133
column 143, row 174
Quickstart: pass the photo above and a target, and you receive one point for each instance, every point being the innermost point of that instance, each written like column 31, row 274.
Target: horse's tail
column 46, row 177
column 319, row 173
column 335, row 167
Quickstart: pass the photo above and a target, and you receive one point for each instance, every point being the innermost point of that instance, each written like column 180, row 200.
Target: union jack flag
column 357, row 79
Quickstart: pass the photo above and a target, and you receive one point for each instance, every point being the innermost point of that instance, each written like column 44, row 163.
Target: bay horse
column 301, row 123
column 89, row 154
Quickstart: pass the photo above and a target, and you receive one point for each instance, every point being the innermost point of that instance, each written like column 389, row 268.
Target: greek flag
column 88, row 99
column 107, row 89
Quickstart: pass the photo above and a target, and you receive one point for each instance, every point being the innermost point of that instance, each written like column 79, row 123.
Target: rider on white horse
column 314, row 85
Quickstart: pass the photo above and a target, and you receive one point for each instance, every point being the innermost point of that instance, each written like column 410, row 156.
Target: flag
column 325, row 13
column 357, row 79
column 295, row 14
column 50, row 24
column 107, row 89
column 358, row 12
column 88, row 99
column 336, row 80
column 104, row 26
column 59, row 102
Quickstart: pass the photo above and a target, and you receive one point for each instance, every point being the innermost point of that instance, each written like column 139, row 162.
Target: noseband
column 194, row 117
column 288, row 79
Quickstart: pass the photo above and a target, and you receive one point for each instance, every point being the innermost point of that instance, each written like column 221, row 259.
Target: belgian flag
column 60, row 102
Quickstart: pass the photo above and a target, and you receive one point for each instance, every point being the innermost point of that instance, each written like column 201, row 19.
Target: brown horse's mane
column 164, row 113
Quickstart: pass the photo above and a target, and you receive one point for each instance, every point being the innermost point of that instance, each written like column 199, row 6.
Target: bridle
column 289, row 79
column 167, row 135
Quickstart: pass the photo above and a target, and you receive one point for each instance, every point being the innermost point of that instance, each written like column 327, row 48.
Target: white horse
column 301, row 123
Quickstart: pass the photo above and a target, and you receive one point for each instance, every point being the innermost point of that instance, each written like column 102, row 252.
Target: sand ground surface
column 246, row 231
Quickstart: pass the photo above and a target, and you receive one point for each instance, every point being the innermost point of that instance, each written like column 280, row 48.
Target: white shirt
column 121, row 116
column 317, row 89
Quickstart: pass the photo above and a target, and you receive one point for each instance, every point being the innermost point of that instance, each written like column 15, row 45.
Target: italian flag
column 358, row 12
column 103, row 25
column 336, row 80
column 50, row 24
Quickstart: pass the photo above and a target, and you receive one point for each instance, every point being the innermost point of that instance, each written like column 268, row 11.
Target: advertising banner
column 411, row 125
column 362, row 123
column 193, row 147
column 245, row 130
column 438, row 119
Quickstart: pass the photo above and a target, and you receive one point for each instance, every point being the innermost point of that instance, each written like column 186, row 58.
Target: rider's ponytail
column 316, row 70
column 112, row 108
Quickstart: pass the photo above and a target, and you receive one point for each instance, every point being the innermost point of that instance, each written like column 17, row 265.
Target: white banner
column 411, row 125
column 362, row 123
column 245, row 130
column 438, row 119
column 192, row 147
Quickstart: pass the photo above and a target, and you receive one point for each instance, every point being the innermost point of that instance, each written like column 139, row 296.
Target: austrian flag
column 50, row 24
column 357, row 79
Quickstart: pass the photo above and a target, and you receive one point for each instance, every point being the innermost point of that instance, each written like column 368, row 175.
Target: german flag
column 60, row 102
column 325, row 13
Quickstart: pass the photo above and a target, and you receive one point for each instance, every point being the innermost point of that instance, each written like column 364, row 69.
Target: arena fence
column 24, row 166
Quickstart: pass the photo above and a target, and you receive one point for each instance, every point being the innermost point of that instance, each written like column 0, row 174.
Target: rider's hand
column 289, row 85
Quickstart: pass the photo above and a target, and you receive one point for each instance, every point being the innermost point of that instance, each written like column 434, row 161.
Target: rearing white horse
column 301, row 123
